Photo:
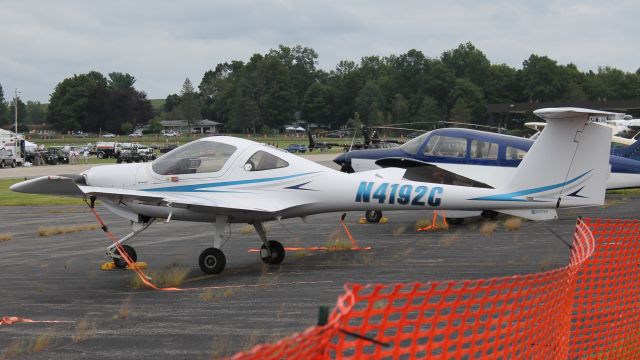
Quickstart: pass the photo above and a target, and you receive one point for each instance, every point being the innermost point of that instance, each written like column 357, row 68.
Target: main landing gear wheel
column 131, row 252
column 373, row 216
column 277, row 253
column 212, row 261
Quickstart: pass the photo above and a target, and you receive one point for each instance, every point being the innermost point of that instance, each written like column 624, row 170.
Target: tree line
column 275, row 89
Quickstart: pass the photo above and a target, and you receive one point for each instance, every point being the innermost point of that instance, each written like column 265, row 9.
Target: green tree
column 543, row 79
column 502, row 85
column 274, row 92
column 69, row 103
column 4, row 111
column 469, row 97
column 190, row 105
column 400, row 109
column 370, row 102
column 155, row 125
column 468, row 62
column 36, row 113
column 301, row 65
column 428, row 113
column 461, row 112
column 316, row 107
column 171, row 102
column 118, row 80
column 126, row 128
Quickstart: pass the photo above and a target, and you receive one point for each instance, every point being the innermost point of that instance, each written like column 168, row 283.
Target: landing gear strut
column 113, row 251
column 271, row 252
column 212, row 260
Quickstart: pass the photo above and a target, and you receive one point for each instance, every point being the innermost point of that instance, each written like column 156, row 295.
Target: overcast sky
column 163, row 42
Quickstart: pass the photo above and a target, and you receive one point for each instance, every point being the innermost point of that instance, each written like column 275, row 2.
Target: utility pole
column 15, row 108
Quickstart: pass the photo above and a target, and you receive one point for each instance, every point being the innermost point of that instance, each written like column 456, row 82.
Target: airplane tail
column 568, row 164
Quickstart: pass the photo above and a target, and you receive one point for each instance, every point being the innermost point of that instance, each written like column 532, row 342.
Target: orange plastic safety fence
column 589, row 308
column 606, row 310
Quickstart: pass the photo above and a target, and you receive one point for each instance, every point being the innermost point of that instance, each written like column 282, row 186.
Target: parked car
column 108, row 135
column 136, row 134
column 81, row 134
column 168, row 148
column 297, row 148
column 171, row 134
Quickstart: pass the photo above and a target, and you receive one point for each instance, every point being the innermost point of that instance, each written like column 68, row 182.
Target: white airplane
column 223, row 180
column 615, row 140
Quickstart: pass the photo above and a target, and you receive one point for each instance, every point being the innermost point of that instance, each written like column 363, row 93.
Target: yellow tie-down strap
column 111, row 266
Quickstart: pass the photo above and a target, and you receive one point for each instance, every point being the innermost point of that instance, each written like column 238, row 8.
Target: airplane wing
column 66, row 186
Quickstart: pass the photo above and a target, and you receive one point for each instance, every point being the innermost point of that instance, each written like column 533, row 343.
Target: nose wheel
column 273, row 255
column 373, row 216
column 119, row 261
column 212, row 261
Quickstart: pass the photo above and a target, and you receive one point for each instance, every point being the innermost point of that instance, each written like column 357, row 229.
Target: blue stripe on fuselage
column 511, row 196
column 203, row 187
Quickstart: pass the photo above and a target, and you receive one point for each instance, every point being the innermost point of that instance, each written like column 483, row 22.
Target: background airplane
column 472, row 157
column 225, row 180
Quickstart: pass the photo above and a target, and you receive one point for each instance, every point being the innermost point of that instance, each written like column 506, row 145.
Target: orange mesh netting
column 589, row 308
column 606, row 310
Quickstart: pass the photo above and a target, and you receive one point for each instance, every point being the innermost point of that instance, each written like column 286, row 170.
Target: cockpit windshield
column 412, row 146
column 194, row 158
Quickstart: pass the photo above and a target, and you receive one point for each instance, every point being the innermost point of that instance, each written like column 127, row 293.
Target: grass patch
column 488, row 228
column 172, row 276
column 246, row 230
column 439, row 225
column 513, row 224
column 450, row 239
column 86, row 330
column 23, row 347
column 10, row 198
column 337, row 242
column 398, row 230
column 58, row 230
column 624, row 192
column 6, row 237
column 216, row 295
column 123, row 310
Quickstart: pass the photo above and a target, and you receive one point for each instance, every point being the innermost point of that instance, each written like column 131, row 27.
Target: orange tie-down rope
column 434, row 225
column 146, row 280
column 354, row 244
column 10, row 320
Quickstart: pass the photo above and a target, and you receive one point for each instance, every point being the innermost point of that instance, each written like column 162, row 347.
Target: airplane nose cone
column 341, row 159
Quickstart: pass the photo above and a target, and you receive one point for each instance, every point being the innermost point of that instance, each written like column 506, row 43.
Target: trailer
column 14, row 148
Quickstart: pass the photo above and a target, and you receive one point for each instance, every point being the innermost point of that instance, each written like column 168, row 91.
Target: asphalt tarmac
column 59, row 277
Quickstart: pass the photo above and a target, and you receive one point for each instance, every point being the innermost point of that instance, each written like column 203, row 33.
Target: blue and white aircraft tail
column 574, row 173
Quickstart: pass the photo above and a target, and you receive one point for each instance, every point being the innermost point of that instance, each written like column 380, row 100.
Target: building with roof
column 202, row 126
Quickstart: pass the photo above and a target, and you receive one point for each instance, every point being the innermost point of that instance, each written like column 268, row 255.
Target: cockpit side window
column 194, row 158
column 514, row 153
column 484, row 150
column 447, row 146
column 263, row 160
